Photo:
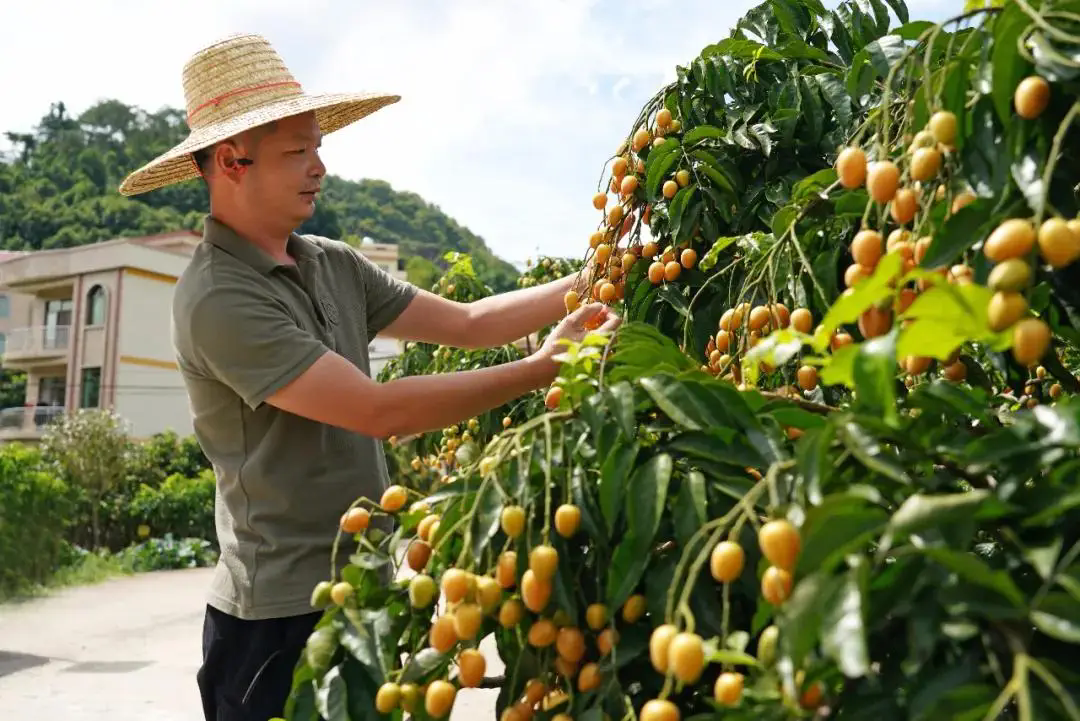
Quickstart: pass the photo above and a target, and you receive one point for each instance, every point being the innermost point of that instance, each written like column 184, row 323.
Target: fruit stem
column 1040, row 21
column 1055, row 686
column 1052, row 159
column 725, row 620
column 718, row 523
column 547, row 480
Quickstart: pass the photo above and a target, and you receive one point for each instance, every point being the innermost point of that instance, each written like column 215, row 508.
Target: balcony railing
column 41, row 340
column 27, row 420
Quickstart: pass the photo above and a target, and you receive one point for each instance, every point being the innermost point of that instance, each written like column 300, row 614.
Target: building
column 91, row 327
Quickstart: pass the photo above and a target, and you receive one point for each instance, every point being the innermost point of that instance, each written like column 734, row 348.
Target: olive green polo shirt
column 244, row 326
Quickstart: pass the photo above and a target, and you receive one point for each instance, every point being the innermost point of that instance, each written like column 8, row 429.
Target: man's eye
column 299, row 151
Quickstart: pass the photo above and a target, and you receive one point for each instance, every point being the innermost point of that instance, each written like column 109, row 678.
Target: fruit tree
column 827, row 466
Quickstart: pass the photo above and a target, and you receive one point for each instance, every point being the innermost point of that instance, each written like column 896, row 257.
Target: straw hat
column 237, row 84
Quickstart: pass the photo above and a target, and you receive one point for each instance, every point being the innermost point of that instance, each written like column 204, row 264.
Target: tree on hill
column 58, row 190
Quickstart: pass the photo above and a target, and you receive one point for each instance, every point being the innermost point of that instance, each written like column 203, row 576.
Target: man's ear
column 226, row 160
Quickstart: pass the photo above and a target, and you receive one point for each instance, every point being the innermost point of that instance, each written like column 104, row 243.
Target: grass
column 89, row 569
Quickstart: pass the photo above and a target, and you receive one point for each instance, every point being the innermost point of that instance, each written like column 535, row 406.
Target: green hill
column 58, row 189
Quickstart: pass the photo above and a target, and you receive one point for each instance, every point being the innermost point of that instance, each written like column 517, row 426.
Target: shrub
column 34, row 510
column 180, row 506
column 169, row 553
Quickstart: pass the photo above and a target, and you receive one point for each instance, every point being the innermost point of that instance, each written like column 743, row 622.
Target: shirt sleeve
column 385, row 296
column 249, row 341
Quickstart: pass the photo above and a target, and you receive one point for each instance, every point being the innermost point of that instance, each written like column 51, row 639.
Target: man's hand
column 574, row 327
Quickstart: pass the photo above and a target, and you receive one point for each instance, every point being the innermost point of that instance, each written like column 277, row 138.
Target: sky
column 509, row 108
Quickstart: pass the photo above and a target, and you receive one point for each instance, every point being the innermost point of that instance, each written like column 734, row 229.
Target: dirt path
column 123, row 650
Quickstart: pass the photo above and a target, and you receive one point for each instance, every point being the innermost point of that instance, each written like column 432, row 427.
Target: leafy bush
column 180, row 506
column 827, row 466
column 169, row 553
column 34, row 511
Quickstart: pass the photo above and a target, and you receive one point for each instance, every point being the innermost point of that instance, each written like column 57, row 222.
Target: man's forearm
column 428, row 402
column 508, row 317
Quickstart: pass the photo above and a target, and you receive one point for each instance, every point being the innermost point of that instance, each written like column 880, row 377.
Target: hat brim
column 333, row 111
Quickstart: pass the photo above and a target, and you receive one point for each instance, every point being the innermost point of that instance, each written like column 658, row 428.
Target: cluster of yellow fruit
column 682, row 653
column 743, row 327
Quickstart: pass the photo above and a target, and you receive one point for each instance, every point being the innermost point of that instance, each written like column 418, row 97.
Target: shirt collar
column 222, row 236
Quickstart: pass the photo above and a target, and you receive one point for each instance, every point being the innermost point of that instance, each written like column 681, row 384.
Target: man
column 271, row 330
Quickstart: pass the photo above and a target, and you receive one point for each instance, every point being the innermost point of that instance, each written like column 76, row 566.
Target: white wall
column 151, row 400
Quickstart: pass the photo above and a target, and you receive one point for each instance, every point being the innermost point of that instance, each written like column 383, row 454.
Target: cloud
column 509, row 110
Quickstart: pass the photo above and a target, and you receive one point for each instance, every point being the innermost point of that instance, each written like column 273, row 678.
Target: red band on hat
column 240, row 91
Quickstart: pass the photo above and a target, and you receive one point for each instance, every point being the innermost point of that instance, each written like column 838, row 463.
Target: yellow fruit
column 728, row 689
column 962, row 200
column 726, row 561
column 439, row 698
column 599, row 201
column 506, row 569
column 629, row 185
column 943, row 126
column 568, row 516
column 570, row 644
column 1014, row 238
column 1031, row 97
column 387, row 697
column 634, row 608
column 1013, row 274
column 659, row 710
column 596, row 616
column 669, row 189
column 1031, row 339
column 606, row 641
column 663, row 118
column 423, row 529
column 882, row 178
column 641, row 139
column 615, row 215
column 543, row 560
column 571, row 300
column 442, row 635
column 455, row 584
column 925, row 164
column 802, row 320
column 410, row 696
column 619, row 167
column 776, row 585
column 471, row 668
column 393, row 499
column 355, row 520
column 874, row 322
column 511, row 613
column 851, row 167
column 955, row 372
column 672, row 270
column 917, row 365
column 656, row 273
column 535, row 592
column 1059, row 246
column 488, row 593
column 659, row 645
column 688, row 258
column 341, row 592
column 866, row 248
column 686, row 656
column 682, row 178
column 542, row 633
column 855, row 274
column 589, row 678
column 1005, row 309
column 1056, row 391
column 513, row 521
column 468, row 618
column 903, row 206
column 922, row 139
column 766, row 646
column 418, row 555
column 421, row 590
column 807, row 377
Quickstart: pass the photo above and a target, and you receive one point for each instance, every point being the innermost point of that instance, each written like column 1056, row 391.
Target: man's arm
column 492, row 321
column 249, row 342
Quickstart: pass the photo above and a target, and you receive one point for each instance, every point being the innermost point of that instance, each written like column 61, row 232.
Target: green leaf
column 613, row 476
column 965, row 228
column 620, row 397
column 628, row 564
column 839, row 526
column 968, row 567
column 913, row 29
column 713, row 254
column 677, row 209
column 677, row 399
column 1058, row 616
column 836, row 96
column 659, row 164
column 646, row 493
column 851, row 304
column 875, row 376
column 944, row 317
column 485, row 522
column 691, row 506
column 843, row 627
column 921, row 511
column 701, row 132
column 802, row 614
column 1009, row 66
column 331, row 699
column 422, row 664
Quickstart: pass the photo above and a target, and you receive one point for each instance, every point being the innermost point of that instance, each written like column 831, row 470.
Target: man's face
column 287, row 171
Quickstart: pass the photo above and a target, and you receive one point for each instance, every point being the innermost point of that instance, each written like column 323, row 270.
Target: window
column 3, row 343
column 5, row 306
column 91, row 388
column 95, row 306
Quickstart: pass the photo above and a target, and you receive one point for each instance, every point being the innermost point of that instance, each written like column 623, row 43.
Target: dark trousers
column 247, row 668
